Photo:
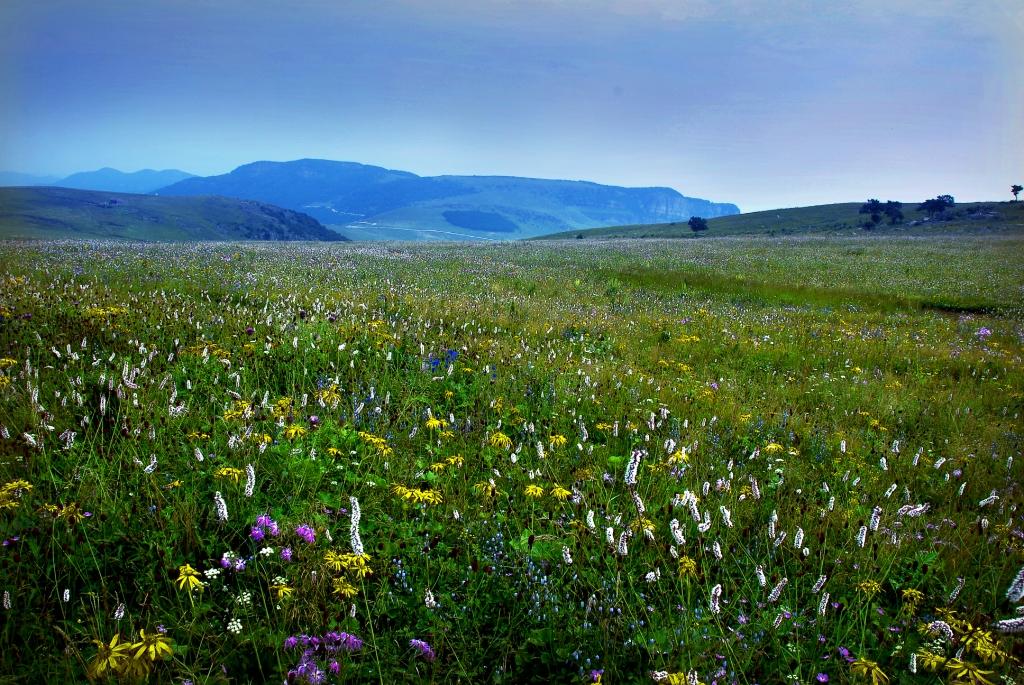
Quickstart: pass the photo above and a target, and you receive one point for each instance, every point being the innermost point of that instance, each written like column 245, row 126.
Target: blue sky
column 765, row 104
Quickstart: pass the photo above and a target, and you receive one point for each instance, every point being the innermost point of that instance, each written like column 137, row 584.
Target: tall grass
column 729, row 461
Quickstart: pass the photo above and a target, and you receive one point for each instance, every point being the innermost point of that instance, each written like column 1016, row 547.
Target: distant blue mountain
column 114, row 181
column 370, row 201
column 15, row 178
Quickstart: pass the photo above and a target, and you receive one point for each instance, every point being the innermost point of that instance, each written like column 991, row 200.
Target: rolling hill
column 16, row 178
column 49, row 212
column 112, row 180
column 373, row 202
column 834, row 219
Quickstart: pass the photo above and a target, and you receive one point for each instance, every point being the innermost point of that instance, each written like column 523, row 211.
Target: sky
column 764, row 104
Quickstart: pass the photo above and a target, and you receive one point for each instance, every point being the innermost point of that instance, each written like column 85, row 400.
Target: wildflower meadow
column 718, row 461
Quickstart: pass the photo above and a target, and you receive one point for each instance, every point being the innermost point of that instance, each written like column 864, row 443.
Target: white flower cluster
column 354, row 540
column 234, row 626
column 222, row 506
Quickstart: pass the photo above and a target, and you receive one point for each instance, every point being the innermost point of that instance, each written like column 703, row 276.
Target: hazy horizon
column 723, row 101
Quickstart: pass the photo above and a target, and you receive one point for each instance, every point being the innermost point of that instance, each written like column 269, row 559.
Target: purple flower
column 983, row 333
column 256, row 533
column 334, row 666
column 424, row 649
column 290, row 642
column 286, row 553
column 306, row 533
column 595, row 675
column 822, row 677
column 350, row 643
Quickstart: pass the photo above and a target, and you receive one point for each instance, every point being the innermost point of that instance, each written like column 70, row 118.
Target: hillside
column 383, row 203
column 112, row 180
column 16, row 178
column 834, row 219
column 68, row 213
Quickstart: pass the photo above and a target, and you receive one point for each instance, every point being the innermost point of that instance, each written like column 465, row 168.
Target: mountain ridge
column 113, row 180
column 371, row 200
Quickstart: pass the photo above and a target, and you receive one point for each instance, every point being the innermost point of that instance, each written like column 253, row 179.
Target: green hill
column 47, row 212
column 835, row 219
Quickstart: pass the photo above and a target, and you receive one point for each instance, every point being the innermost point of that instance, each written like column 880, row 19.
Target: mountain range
column 367, row 202
column 144, row 181
column 371, row 202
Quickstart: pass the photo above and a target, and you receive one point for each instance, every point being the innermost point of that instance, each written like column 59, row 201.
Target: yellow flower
column 109, row 657
column 333, row 560
column 687, row 567
column 869, row 670
column 912, row 596
column 153, row 646
column 534, row 491
column 642, row 524
column 434, row 423
column 967, row 673
column 500, row 440
column 188, row 578
column 981, row 643
column 137, row 669
column 357, row 564
column 344, row 589
column 330, row 395
column 869, row 587
column 7, row 362
column 486, row 489
column 679, row 456
column 416, row 495
column 560, row 493
column 283, row 591
column 292, row 432
column 71, row 513
column 11, row 493
column 228, row 473
column 558, row 441
column 929, row 660
column 772, row 448
column 282, row 407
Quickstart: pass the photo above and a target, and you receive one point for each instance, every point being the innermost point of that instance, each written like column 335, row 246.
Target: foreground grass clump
column 732, row 461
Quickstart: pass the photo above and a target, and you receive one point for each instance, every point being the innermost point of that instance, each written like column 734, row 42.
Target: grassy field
column 842, row 219
column 742, row 460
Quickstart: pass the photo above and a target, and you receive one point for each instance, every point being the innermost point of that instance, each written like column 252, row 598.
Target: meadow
column 721, row 461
